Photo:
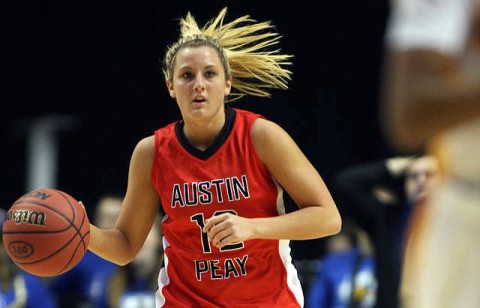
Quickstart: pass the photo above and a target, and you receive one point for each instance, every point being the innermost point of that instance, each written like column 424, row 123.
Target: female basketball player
column 218, row 176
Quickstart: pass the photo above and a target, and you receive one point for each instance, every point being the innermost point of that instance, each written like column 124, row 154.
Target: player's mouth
column 199, row 99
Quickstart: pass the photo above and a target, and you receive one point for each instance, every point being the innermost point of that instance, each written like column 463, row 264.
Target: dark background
column 99, row 64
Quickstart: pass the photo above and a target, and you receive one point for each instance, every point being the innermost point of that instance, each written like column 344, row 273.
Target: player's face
column 421, row 178
column 199, row 83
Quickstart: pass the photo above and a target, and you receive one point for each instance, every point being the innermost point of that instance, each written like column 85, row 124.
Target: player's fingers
column 223, row 241
column 220, row 237
column 208, row 224
column 214, row 232
column 213, row 221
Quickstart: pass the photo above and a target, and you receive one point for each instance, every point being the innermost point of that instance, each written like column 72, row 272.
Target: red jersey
column 194, row 185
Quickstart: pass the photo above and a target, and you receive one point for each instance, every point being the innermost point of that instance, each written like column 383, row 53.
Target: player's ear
column 228, row 86
column 170, row 88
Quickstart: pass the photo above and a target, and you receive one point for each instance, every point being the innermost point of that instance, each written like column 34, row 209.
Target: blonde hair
column 242, row 46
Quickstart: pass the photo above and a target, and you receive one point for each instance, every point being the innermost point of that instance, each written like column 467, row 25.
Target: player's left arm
column 318, row 215
column 140, row 206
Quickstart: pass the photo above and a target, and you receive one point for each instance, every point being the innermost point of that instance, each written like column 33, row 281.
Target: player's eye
column 186, row 75
column 210, row 74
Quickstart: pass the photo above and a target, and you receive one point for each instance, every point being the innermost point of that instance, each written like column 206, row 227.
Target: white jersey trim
column 284, row 251
column 163, row 279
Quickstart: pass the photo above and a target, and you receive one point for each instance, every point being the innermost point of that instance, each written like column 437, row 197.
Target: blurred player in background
column 381, row 196
column 432, row 102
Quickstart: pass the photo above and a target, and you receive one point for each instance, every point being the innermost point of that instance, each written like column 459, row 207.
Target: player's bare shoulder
column 146, row 146
column 269, row 137
column 264, row 130
column 144, row 152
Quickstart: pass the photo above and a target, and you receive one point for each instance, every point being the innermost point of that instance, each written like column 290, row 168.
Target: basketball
column 46, row 232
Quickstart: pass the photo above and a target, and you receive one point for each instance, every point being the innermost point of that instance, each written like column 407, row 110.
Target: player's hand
column 227, row 228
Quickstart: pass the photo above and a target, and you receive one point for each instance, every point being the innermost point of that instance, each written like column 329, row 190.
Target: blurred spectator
column 346, row 273
column 134, row 285
column 432, row 103
column 86, row 284
column 19, row 289
column 380, row 196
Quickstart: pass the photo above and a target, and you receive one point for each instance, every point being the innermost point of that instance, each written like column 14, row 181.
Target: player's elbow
column 337, row 224
column 127, row 250
column 334, row 225
column 124, row 259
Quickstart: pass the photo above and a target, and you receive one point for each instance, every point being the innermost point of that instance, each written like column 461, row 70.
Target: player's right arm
column 140, row 206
